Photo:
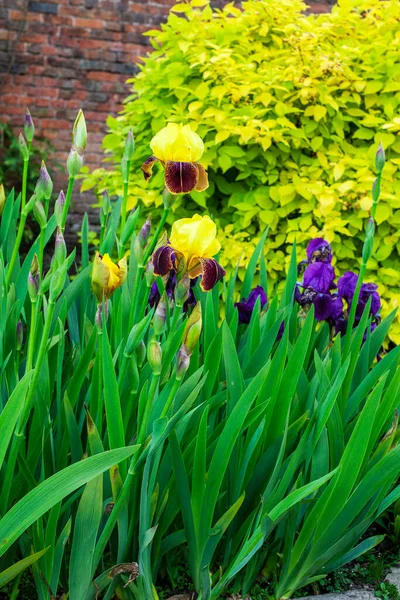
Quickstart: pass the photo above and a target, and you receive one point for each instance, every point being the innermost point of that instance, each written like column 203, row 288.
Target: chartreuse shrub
column 291, row 108
column 140, row 433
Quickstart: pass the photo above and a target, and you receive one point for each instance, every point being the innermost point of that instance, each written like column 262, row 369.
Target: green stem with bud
column 68, row 197
column 154, row 239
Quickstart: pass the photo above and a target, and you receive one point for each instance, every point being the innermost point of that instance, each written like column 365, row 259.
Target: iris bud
column 129, row 227
column 160, row 316
column 59, row 208
column 105, row 203
column 79, row 132
column 30, row 205
column 23, row 147
column 34, row 278
column 182, row 362
column 380, row 158
column 39, row 214
column 29, row 127
column 182, row 289
column 376, row 190
column 45, row 183
column 193, row 329
column 141, row 353
column 60, row 252
column 149, row 273
column 141, row 241
column 154, row 356
column 124, row 169
column 57, row 282
column 74, row 163
column 369, row 241
column 129, row 145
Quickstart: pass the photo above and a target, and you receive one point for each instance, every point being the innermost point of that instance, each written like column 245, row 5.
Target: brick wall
column 59, row 55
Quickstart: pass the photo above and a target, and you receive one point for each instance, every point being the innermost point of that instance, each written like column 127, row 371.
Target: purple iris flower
column 246, row 306
column 346, row 288
column 319, row 276
column 319, row 250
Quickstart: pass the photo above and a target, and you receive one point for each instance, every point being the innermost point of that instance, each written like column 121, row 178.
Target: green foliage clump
column 290, row 107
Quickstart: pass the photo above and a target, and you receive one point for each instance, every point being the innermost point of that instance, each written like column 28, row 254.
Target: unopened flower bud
column 154, row 356
column 141, row 240
column 45, row 183
column 57, row 282
column 160, row 316
column 34, row 279
column 39, row 213
column 168, row 198
column 376, row 190
column 29, row 127
column 60, row 251
column 124, row 169
column 23, row 147
column 182, row 289
column 129, row 145
column 99, row 315
column 79, row 133
column 193, row 329
column 182, row 362
column 59, row 208
column 74, row 162
column 19, row 335
column 105, row 203
column 2, row 198
column 380, row 158
column 369, row 241
column 149, row 273
column 30, row 205
column 141, row 353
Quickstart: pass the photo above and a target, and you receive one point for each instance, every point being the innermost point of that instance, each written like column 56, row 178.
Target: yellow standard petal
column 177, row 143
column 107, row 276
column 195, row 238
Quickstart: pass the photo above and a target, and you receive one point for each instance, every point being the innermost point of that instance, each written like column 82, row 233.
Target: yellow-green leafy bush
column 291, row 108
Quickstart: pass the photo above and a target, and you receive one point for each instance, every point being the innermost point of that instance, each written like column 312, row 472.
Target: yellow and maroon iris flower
column 107, row 276
column 191, row 248
column 178, row 149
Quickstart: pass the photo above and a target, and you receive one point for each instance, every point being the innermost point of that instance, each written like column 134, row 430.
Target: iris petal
column 202, row 183
column 212, row 273
column 147, row 167
column 163, row 260
column 181, row 177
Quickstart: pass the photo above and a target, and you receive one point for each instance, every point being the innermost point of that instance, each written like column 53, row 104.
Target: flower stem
column 31, row 343
column 24, row 182
column 15, row 251
column 38, row 365
column 70, row 189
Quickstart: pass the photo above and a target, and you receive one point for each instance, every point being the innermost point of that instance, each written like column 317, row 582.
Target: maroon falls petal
column 202, row 183
column 163, row 260
column 212, row 273
column 147, row 167
column 180, row 177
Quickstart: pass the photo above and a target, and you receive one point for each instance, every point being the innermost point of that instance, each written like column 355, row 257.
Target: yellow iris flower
column 179, row 149
column 195, row 238
column 191, row 248
column 107, row 276
column 178, row 143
